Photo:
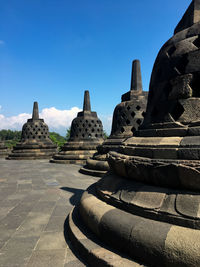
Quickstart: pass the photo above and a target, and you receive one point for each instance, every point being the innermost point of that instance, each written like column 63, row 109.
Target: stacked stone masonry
column 85, row 135
column 147, row 207
column 127, row 117
column 35, row 142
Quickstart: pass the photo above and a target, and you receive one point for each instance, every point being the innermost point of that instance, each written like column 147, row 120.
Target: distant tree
column 10, row 135
column 10, row 138
column 57, row 139
column 105, row 135
column 68, row 133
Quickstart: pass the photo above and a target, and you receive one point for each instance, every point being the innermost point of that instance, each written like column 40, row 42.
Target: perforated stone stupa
column 35, row 142
column 127, row 117
column 147, row 209
column 86, row 134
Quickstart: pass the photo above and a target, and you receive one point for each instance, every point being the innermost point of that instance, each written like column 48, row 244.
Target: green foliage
column 11, row 143
column 57, row 139
column 105, row 135
column 11, row 138
column 10, row 135
column 68, row 134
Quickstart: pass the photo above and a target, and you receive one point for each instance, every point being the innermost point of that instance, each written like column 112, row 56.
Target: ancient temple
column 35, row 142
column 147, row 210
column 127, row 117
column 85, row 135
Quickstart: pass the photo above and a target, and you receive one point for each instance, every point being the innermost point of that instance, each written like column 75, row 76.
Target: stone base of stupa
column 97, row 165
column 32, row 150
column 91, row 248
column 125, row 222
column 4, row 150
column 76, row 152
column 147, row 207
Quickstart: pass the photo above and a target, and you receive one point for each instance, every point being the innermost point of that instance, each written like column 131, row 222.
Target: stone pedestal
column 147, row 208
column 86, row 134
column 127, row 117
column 35, row 142
column 4, row 151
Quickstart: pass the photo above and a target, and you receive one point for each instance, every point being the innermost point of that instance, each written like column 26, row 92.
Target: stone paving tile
column 16, row 196
column 10, row 202
column 51, row 195
column 4, row 211
column 34, row 224
column 24, row 181
column 15, row 257
column 5, row 235
column 35, row 199
column 51, row 241
column 12, row 222
column 61, row 210
column 75, row 263
column 70, row 257
column 47, row 258
column 44, row 206
column 21, row 242
column 22, row 208
column 56, row 223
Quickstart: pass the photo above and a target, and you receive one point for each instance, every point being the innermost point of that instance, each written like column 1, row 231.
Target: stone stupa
column 147, row 211
column 35, row 142
column 127, row 117
column 85, row 135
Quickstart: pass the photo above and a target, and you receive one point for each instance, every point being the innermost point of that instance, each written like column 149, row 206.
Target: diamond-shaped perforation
column 132, row 114
column 84, row 129
column 138, row 107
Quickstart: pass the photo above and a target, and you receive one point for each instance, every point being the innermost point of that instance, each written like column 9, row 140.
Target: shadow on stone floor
column 77, row 193
column 72, row 248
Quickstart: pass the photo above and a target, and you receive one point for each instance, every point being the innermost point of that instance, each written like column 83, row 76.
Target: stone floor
column 35, row 199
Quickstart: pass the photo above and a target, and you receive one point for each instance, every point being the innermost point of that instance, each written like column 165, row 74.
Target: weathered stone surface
column 174, row 93
column 138, row 235
column 86, row 134
column 4, row 151
column 148, row 204
column 35, row 142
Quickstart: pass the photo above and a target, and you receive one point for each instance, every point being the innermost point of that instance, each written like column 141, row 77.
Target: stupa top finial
column 191, row 16
column 35, row 114
column 136, row 78
column 86, row 104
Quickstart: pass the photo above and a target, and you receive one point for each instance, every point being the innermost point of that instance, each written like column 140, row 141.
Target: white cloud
column 57, row 120
column 14, row 122
column 2, row 42
column 107, row 123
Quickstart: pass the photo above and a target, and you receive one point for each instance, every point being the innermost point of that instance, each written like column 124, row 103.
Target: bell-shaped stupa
column 35, row 142
column 127, row 117
column 148, row 209
column 85, row 135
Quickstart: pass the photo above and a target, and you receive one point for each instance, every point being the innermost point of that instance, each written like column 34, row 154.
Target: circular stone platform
column 35, row 142
column 85, row 135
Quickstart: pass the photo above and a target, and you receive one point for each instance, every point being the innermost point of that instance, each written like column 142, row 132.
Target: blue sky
column 53, row 50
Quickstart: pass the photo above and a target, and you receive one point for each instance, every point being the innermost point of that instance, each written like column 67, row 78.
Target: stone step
column 90, row 172
column 94, row 252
